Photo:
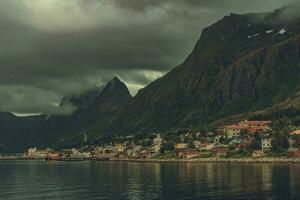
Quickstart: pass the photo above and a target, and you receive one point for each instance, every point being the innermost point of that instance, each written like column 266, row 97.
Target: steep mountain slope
column 289, row 108
column 17, row 133
column 240, row 64
column 94, row 107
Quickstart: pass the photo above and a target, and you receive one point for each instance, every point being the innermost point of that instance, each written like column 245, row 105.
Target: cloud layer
column 51, row 48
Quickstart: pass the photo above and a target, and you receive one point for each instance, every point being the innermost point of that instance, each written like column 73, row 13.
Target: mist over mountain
column 242, row 66
column 92, row 107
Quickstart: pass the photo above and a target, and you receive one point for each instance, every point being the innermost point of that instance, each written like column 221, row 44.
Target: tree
column 280, row 133
column 173, row 138
column 231, row 147
column 243, row 134
column 256, row 142
column 167, row 146
column 223, row 140
column 191, row 144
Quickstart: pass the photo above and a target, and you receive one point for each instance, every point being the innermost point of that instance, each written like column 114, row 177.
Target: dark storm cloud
column 50, row 48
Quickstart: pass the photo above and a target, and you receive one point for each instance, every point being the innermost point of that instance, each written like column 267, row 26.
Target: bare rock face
column 240, row 64
column 93, row 107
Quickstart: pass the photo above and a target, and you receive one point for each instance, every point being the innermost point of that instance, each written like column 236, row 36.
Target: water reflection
column 122, row 180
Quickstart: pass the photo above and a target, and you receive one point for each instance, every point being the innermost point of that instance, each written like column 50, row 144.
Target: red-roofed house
column 234, row 130
column 295, row 132
column 220, row 150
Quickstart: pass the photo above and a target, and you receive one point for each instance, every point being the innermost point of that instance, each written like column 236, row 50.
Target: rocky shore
column 199, row 160
column 221, row 160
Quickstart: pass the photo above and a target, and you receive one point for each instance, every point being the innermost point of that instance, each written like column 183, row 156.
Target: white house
column 266, row 143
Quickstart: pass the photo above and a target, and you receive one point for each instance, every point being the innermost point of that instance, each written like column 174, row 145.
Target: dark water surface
column 122, row 180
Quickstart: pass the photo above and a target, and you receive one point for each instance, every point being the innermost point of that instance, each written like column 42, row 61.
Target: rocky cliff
column 242, row 63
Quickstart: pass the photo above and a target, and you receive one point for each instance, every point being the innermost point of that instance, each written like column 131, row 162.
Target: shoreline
column 199, row 160
column 215, row 160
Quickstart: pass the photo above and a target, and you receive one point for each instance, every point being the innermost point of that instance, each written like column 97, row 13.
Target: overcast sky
column 51, row 48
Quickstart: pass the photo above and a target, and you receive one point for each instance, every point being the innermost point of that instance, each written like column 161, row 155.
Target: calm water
column 116, row 180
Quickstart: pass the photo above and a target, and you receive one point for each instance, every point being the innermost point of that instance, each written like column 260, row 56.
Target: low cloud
column 52, row 48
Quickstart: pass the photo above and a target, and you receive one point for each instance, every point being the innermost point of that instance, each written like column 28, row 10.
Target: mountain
column 241, row 64
column 16, row 133
column 93, row 107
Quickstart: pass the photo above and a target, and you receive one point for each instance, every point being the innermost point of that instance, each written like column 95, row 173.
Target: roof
column 254, row 130
column 220, row 146
column 296, row 132
column 258, row 152
column 220, row 149
column 258, row 122
column 236, row 127
column 191, row 150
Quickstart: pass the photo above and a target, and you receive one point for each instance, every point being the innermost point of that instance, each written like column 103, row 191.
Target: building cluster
column 226, row 139
column 124, row 150
column 130, row 149
column 65, row 154
column 234, row 138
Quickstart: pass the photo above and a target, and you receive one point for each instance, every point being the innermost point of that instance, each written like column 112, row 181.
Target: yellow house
column 181, row 145
column 233, row 130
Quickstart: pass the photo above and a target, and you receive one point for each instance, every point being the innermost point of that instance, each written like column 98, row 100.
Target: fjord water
column 128, row 180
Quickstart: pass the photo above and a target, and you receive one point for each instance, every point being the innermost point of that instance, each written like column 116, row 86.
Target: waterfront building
column 190, row 153
column 157, row 143
column 266, row 143
column 38, row 154
column 295, row 132
column 181, row 146
column 220, row 150
column 53, row 154
column 258, row 154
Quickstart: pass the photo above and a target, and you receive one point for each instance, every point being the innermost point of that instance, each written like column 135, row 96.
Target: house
column 141, row 154
column 266, row 143
column 264, row 125
column 157, row 143
column 85, row 154
column 179, row 153
column 53, row 155
column 75, row 153
column 181, row 146
column 249, row 126
column 236, row 141
column 97, row 151
column 220, row 150
column 295, row 133
column 38, row 154
column 119, row 147
column 294, row 153
column 258, row 154
column 203, row 146
column 122, row 155
column 64, row 153
column 190, row 153
column 234, row 130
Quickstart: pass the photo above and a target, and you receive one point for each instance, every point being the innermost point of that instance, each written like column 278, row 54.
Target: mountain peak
column 114, row 88
column 240, row 63
column 115, row 79
column 115, row 85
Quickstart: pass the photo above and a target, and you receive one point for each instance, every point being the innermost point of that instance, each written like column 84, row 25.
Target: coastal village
column 245, row 139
